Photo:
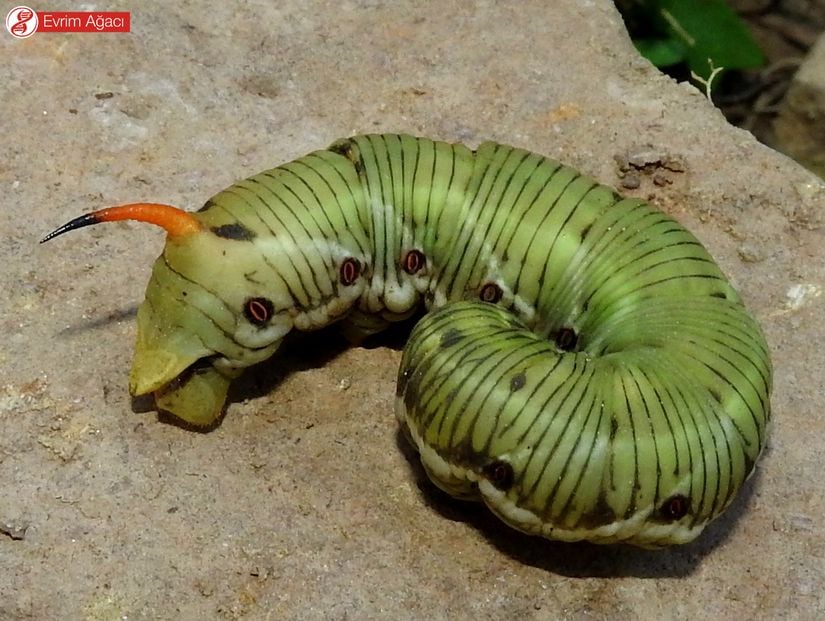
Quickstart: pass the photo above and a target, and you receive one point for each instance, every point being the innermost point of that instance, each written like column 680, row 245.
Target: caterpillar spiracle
column 585, row 369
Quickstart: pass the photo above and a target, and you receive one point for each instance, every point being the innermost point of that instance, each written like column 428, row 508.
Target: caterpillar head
column 208, row 313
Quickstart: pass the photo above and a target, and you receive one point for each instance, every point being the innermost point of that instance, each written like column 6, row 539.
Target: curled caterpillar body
column 587, row 370
column 622, row 446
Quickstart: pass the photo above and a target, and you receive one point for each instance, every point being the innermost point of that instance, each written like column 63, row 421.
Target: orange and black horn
column 174, row 221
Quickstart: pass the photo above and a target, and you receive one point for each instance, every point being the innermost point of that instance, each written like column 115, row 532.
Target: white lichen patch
column 27, row 397
column 799, row 295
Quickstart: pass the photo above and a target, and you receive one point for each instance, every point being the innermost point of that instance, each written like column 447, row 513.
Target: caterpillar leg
column 358, row 326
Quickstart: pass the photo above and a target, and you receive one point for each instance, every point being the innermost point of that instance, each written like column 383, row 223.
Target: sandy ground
column 305, row 503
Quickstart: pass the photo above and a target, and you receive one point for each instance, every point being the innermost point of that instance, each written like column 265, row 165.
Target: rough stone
column 800, row 126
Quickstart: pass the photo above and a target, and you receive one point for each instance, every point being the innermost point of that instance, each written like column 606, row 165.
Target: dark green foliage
column 701, row 34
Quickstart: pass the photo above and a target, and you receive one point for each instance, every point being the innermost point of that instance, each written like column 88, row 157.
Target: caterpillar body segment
column 587, row 370
column 570, row 445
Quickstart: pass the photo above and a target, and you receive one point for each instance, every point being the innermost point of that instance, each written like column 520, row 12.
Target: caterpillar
column 585, row 368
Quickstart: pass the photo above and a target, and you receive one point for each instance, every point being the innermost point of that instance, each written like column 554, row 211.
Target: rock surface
column 305, row 503
column 800, row 126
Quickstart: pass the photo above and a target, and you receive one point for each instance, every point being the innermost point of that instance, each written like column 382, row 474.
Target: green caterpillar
column 586, row 370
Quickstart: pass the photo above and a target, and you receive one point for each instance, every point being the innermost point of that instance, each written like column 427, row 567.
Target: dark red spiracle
column 414, row 261
column 490, row 292
column 566, row 339
column 350, row 270
column 675, row 508
column 500, row 474
column 258, row 311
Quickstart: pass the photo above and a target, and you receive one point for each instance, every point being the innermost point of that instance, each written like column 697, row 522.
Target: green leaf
column 710, row 30
column 661, row 52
